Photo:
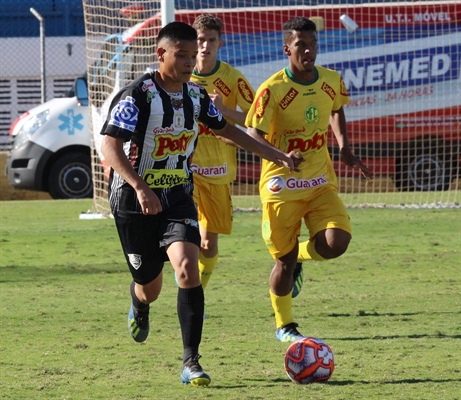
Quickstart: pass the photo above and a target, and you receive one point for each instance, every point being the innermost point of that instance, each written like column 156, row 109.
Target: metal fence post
column 42, row 52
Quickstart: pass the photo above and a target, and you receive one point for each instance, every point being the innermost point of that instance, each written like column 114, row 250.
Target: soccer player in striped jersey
column 214, row 161
column 149, row 137
column 293, row 110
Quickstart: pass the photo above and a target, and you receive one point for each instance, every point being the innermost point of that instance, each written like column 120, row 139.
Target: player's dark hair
column 297, row 24
column 176, row 31
column 208, row 22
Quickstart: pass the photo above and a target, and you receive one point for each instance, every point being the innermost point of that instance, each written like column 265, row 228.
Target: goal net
column 400, row 62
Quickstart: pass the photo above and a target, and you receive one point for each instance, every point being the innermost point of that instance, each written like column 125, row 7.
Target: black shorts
column 145, row 237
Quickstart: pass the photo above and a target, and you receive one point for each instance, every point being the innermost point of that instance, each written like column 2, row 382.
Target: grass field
column 390, row 309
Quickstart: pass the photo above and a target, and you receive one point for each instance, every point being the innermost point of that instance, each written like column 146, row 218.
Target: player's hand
column 292, row 160
column 348, row 158
column 149, row 201
column 217, row 100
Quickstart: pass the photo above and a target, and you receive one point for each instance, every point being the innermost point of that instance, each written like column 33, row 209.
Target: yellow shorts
column 281, row 221
column 214, row 206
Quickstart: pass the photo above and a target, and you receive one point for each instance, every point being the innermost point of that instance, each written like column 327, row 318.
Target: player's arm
column 112, row 150
column 260, row 146
column 235, row 116
column 339, row 127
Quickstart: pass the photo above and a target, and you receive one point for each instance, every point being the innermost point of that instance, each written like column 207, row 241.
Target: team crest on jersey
column 245, row 90
column 135, row 260
column 125, row 114
column 311, row 115
column 276, row 184
column 261, row 102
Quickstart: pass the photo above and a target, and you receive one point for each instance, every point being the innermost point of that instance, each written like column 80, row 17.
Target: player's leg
column 214, row 206
column 139, row 240
column 181, row 239
column 281, row 227
column 190, row 307
column 329, row 226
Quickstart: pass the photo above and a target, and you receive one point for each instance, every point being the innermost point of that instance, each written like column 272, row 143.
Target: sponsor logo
column 125, row 114
column 160, row 131
column 316, row 143
column 151, row 95
column 266, row 230
column 289, row 97
column 220, row 170
column 342, row 88
column 222, row 87
column 203, row 130
column 168, row 145
column 276, row 184
column 261, row 102
column 287, row 132
column 245, row 90
column 213, row 112
column 191, row 222
column 311, row 115
column 146, row 85
column 328, row 90
column 195, row 95
column 165, row 178
column 135, row 260
column 299, row 184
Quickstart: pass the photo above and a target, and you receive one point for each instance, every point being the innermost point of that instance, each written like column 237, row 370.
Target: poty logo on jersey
column 316, row 143
column 276, row 184
column 261, row 102
column 245, row 90
column 203, row 130
column 400, row 70
column 125, row 114
column 168, row 145
column 222, row 87
column 289, row 97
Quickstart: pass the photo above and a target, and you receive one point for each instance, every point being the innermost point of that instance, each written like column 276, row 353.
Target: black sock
column 191, row 305
column 137, row 304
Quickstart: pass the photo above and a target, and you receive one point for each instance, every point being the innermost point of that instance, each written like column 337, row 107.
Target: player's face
column 178, row 60
column 301, row 50
column 208, row 44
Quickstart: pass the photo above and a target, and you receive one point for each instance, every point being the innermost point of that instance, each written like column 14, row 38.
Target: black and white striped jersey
column 160, row 131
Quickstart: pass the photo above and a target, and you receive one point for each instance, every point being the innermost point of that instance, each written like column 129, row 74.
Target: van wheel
column 70, row 177
column 423, row 166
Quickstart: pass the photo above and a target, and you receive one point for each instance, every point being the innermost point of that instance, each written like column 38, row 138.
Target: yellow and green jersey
column 295, row 116
column 213, row 160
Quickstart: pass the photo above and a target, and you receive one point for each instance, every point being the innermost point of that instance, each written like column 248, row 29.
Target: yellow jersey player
column 293, row 110
column 214, row 162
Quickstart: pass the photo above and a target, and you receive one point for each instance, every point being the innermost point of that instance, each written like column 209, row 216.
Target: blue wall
column 65, row 17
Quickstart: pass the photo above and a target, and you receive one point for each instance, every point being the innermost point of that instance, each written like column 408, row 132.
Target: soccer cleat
column 193, row 373
column 138, row 324
column 297, row 280
column 288, row 333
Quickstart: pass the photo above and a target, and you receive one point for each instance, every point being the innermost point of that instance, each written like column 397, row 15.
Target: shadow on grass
column 396, row 382
column 390, row 314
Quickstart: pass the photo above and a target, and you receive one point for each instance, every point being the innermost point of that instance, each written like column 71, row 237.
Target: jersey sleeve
column 210, row 116
column 124, row 113
column 343, row 97
column 261, row 111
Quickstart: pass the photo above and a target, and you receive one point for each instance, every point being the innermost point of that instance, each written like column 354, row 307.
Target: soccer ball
column 309, row 360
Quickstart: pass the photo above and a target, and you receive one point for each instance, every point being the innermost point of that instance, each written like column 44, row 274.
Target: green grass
column 390, row 309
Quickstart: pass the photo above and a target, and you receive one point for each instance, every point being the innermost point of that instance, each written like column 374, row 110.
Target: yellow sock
column 206, row 267
column 282, row 309
column 307, row 251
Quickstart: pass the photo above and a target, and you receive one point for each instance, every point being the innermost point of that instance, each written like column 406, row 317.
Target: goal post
column 400, row 62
